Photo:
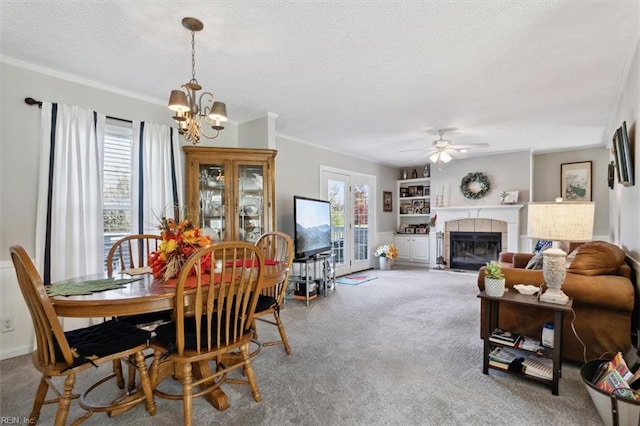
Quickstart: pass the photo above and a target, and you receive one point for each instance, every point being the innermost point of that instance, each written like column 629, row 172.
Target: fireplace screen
column 472, row 250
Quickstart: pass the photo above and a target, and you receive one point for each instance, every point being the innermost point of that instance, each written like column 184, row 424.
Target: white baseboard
column 15, row 351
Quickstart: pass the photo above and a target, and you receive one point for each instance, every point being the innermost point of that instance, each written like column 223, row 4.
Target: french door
column 352, row 219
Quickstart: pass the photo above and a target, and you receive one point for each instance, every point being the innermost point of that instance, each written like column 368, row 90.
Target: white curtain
column 157, row 188
column 69, row 228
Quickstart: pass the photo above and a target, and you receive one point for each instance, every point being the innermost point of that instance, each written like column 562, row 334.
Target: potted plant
column 385, row 254
column 494, row 279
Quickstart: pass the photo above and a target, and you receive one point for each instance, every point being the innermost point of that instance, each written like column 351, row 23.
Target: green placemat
column 70, row 288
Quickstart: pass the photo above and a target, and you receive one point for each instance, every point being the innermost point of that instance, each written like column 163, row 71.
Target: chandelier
column 195, row 119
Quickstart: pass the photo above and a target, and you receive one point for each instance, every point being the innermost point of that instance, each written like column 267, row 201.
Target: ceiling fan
column 442, row 150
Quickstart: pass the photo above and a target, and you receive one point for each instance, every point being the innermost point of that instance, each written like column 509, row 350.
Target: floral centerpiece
column 388, row 250
column 179, row 241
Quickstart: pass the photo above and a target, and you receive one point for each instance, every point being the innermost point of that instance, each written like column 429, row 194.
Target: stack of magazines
column 503, row 337
column 538, row 367
column 615, row 376
column 503, row 357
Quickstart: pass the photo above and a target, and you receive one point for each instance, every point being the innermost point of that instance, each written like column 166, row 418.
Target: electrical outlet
column 8, row 323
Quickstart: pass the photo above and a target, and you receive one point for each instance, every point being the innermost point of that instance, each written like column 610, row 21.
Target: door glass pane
column 336, row 193
column 361, row 200
column 251, row 198
column 211, row 218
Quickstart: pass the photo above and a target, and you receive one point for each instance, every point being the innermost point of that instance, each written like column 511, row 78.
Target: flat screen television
column 312, row 234
column 623, row 156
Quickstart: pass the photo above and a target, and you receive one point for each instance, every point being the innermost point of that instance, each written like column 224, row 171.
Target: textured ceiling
column 369, row 78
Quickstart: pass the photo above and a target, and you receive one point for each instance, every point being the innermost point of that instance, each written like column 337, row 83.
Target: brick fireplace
column 503, row 222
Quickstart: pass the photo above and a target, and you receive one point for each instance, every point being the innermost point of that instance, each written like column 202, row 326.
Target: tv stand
column 312, row 275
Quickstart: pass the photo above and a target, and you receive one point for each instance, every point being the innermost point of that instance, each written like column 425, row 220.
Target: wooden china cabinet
column 231, row 191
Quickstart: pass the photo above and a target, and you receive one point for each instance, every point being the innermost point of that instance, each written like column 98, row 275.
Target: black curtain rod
column 31, row 101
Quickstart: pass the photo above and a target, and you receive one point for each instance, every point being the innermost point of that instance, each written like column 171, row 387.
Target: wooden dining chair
column 216, row 296
column 131, row 253
column 59, row 353
column 278, row 247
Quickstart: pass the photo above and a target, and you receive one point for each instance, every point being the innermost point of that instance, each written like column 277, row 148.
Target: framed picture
column 387, row 201
column 418, row 206
column 404, row 192
column 421, row 230
column 510, row 197
column 405, row 206
column 575, row 181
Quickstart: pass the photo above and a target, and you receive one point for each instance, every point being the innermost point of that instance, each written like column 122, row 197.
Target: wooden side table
column 492, row 309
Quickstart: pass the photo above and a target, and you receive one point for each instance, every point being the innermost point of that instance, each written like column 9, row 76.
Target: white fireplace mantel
column 509, row 213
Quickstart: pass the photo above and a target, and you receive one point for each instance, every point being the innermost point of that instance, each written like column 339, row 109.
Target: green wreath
column 475, row 185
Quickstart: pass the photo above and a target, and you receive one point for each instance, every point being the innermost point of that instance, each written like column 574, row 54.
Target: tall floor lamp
column 560, row 221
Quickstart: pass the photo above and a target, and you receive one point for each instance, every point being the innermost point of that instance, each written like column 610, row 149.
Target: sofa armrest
column 506, row 256
column 601, row 291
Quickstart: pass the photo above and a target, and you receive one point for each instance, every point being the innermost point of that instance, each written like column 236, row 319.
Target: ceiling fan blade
column 470, row 145
column 411, row 150
column 455, row 154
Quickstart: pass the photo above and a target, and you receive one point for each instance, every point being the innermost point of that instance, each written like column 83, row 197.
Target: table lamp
column 560, row 221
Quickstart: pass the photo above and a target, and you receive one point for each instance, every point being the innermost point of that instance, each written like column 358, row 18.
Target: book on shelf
column 529, row 344
column 506, row 358
column 505, row 355
column 498, row 364
column 537, row 366
column 503, row 337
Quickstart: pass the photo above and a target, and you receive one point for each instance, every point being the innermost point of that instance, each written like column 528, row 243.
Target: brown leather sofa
column 598, row 279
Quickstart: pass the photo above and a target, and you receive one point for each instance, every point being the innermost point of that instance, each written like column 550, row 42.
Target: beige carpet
column 403, row 349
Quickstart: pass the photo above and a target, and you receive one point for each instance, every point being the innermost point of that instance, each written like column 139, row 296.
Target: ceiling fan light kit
column 442, row 150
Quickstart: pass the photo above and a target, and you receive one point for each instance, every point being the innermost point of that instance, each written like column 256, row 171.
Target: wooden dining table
column 145, row 295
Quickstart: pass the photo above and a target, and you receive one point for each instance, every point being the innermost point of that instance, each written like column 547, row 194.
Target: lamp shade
column 564, row 221
column 178, row 101
column 218, row 111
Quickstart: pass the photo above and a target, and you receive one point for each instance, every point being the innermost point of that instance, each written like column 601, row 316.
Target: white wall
column 298, row 173
column 506, row 172
column 624, row 202
column 546, row 183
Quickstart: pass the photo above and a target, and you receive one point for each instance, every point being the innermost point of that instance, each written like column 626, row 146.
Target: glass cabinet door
column 212, row 201
column 230, row 192
column 251, row 209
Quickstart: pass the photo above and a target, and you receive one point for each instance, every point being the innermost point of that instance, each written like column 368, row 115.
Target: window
column 117, row 182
